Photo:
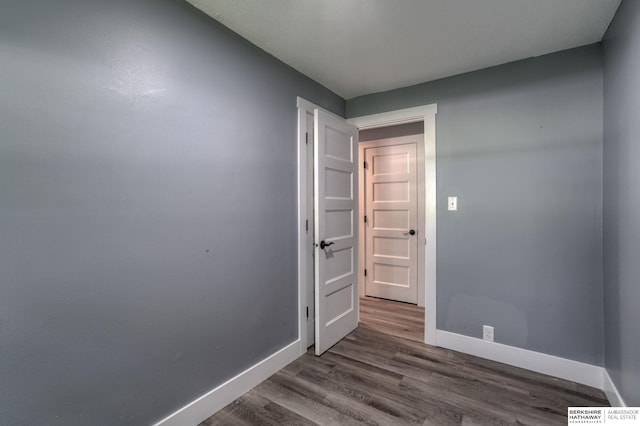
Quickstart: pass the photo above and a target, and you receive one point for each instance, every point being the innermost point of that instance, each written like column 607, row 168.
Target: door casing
column 402, row 140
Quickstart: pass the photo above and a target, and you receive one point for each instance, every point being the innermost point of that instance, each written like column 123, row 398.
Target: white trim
column 430, row 249
column 610, row 389
column 587, row 374
column 305, row 104
column 426, row 113
column 199, row 410
column 305, row 257
column 392, row 118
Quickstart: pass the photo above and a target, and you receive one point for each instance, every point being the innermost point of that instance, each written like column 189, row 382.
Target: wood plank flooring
column 373, row 378
column 396, row 318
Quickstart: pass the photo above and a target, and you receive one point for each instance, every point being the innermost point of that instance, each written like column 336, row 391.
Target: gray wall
column 622, row 200
column 391, row 132
column 520, row 145
column 147, row 208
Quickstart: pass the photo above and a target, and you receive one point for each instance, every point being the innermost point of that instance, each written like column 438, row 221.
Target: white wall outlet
column 487, row 333
column 452, row 204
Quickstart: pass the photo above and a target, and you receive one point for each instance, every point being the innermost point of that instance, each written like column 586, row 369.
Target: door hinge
column 306, row 225
column 307, row 312
column 365, row 164
column 365, row 218
column 306, row 138
column 365, row 272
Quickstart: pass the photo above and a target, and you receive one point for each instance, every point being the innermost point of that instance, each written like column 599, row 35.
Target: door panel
column 391, row 220
column 391, row 200
column 390, row 192
column 336, row 213
column 399, row 248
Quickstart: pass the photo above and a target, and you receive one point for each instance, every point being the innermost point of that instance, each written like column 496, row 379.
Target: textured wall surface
column 520, row 145
column 622, row 200
column 147, row 208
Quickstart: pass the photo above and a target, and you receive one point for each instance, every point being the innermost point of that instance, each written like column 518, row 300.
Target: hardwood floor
column 373, row 378
column 395, row 318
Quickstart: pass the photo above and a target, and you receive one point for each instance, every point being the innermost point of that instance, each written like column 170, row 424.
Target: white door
column 391, row 203
column 336, row 229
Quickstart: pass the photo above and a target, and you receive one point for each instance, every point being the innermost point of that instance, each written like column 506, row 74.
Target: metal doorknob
column 412, row 232
column 323, row 244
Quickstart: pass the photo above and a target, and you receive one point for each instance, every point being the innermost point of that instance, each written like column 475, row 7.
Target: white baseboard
column 216, row 399
column 579, row 372
column 610, row 389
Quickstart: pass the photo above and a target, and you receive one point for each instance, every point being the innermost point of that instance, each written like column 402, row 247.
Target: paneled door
column 336, row 229
column 391, row 203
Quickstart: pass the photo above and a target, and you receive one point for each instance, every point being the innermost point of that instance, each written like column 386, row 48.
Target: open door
column 391, row 204
column 336, row 229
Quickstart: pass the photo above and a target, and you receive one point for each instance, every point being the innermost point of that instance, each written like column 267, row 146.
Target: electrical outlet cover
column 487, row 333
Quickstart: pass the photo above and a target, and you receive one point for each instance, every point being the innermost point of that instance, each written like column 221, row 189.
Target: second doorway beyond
column 392, row 202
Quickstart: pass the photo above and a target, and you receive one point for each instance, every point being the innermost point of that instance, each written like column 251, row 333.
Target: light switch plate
column 452, row 204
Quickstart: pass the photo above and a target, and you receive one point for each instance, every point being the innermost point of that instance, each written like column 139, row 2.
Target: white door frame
column 426, row 113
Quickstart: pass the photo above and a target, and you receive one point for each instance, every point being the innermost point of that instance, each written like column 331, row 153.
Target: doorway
column 392, row 242
column 392, row 200
column 307, row 246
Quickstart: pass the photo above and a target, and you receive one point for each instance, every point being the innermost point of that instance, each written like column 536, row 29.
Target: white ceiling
column 356, row 47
